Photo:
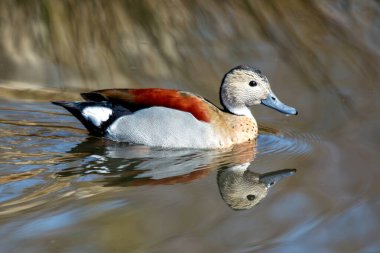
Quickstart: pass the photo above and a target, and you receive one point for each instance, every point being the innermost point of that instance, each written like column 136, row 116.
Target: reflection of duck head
column 242, row 189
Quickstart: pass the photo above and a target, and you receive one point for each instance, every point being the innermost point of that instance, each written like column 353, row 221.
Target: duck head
column 245, row 86
column 242, row 189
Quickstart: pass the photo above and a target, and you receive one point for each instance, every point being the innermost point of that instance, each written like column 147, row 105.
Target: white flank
column 97, row 114
column 164, row 127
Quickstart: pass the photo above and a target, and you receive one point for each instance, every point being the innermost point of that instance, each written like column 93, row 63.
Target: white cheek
column 251, row 96
column 97, row 114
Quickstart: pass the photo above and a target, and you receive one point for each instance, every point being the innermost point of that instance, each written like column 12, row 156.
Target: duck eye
column 251, row 197
column 252, row 83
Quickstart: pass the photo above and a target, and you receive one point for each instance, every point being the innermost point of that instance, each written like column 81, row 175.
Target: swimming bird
column 179, row 119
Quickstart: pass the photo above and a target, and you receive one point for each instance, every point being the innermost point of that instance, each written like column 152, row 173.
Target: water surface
column 64, row 191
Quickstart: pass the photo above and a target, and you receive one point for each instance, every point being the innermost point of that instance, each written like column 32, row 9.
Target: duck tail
column 95, row 116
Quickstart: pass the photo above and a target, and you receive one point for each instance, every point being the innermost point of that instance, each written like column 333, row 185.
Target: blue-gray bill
column 273, row 102
column 271, row 178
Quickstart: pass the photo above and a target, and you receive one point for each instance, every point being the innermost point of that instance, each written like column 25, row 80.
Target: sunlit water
column 51, row 167
column 63, row 191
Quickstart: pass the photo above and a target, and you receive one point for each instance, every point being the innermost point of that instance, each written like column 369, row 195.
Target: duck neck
column 240, row 111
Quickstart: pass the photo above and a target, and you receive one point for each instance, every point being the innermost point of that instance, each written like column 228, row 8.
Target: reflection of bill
column 241, row 188
column 129, row 165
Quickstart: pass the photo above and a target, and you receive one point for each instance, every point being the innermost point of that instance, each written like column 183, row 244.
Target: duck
column 169, row 118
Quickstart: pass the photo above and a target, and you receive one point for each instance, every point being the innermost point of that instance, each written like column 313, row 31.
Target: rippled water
column 62, row 191
column 50, row 167
column 41, row 146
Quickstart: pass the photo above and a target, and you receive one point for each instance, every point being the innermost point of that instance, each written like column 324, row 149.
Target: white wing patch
column 97, row 114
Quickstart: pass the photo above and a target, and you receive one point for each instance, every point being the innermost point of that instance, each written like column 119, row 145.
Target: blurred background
column 321, row 56
column 71, row 45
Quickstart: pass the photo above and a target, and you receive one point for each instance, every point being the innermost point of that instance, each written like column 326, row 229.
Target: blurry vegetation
column 186, row 44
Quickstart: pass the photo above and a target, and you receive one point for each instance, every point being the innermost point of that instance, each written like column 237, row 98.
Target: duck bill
column 271, row 178
column 273, row 102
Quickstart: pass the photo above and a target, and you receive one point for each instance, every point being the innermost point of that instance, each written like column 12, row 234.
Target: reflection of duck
column 130, row 166
column 177, row 119
column 242, row 189
column 140, row 165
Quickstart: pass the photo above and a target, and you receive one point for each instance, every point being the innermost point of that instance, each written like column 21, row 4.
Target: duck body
column 170, row 118
column 173, row 128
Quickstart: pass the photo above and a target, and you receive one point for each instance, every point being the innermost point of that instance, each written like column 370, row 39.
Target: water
column 63, row 191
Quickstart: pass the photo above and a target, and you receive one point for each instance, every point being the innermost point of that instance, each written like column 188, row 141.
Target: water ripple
column 287, row 140
column 45, row 152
